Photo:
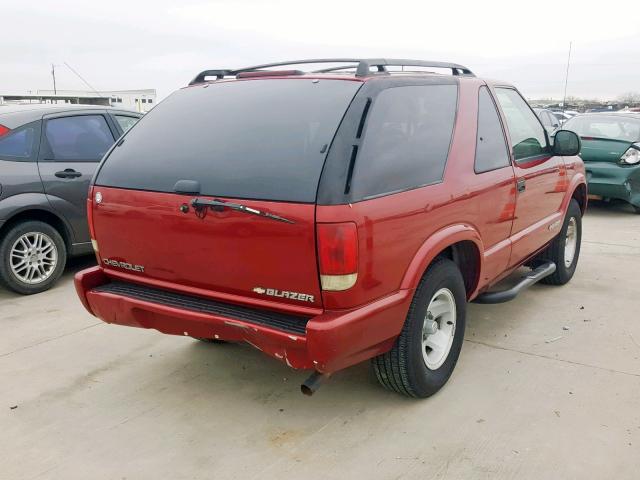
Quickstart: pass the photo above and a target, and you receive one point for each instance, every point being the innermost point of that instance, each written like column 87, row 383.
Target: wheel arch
column 577, row 190
column 461, row 244
column 580, row 195
column 42, row 215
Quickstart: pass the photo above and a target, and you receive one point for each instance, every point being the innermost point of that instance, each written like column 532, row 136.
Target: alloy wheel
column 33, row 258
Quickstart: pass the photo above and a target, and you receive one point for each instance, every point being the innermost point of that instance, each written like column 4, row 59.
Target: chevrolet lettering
column 127, row 266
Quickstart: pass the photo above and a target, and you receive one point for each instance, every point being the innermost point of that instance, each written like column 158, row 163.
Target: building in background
column 138, row 100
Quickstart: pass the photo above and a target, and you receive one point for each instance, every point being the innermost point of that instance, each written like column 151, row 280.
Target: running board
column 534, row 276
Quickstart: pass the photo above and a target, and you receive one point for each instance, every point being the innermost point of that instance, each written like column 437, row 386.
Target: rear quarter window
column 19, row 144
column 406, row 140
column 491, row 147
column 126, row 122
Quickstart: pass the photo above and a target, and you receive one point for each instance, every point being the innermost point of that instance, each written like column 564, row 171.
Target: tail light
column 92, row 232
column 338, row 255
column 632, row 155
column 4, row 130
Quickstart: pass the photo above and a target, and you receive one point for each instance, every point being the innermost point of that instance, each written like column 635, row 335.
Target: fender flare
column 577, row 181
column 435, row 244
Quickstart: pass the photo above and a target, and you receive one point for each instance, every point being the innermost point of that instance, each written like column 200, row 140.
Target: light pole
column 53, row 74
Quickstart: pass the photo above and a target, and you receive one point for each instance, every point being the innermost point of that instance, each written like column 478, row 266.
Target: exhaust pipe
column 313, row 383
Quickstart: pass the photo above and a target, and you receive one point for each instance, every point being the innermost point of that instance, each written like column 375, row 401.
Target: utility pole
column 53, row 74
column 566, row 80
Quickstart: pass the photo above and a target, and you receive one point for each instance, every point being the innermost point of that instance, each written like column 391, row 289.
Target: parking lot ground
column 547, row 387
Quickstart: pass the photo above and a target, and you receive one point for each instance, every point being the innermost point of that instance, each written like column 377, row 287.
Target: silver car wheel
column 438, row 328
column 33, row 258
column 571, row 242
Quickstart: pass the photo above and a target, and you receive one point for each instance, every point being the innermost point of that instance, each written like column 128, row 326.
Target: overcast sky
column 163, row 44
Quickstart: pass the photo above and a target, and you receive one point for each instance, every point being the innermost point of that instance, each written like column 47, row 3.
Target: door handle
column 521, row 184
column 68, row 173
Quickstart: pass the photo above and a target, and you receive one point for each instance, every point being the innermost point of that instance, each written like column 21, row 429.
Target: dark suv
column 333, row 216
column 48, row 154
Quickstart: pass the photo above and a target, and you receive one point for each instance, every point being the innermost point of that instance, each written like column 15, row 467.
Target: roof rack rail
column 362, row 66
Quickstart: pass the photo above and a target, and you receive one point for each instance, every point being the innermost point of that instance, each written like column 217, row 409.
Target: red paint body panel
column 333, row 340
column 225, row 255
column 400, row 234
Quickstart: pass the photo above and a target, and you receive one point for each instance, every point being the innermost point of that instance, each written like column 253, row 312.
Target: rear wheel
column 564, row 250
column 636, row 208
column 32, row 257
column 425, row 354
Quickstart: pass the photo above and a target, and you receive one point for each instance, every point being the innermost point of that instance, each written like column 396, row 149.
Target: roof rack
column 362, row 66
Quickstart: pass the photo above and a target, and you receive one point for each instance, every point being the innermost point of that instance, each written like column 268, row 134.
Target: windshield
column 614, row 127
column 256, row 139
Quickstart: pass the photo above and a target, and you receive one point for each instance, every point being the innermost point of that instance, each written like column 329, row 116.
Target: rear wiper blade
column 199, row 204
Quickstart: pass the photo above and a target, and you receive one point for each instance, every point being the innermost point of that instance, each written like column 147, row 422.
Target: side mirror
column 566, row 143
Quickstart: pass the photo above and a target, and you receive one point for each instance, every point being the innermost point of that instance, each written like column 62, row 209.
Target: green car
column 611, row 154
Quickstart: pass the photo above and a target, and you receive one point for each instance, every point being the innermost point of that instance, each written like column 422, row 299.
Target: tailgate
column 227, row 251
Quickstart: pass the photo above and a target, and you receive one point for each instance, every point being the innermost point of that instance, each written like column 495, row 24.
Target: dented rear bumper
column 328, row 342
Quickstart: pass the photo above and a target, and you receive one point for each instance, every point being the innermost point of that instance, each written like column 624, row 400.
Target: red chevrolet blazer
column 332, row 215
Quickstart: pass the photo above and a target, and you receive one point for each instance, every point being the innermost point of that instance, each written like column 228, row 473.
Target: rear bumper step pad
column 280, row 321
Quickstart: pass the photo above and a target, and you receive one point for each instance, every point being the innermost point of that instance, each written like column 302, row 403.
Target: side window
column 406, row 141
column 491, row 149
column 79, row 138
column 19, row 144
column 527, row 135
column 126, row 122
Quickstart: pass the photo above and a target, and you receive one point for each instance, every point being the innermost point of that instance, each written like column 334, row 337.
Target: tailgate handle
column 190, row 187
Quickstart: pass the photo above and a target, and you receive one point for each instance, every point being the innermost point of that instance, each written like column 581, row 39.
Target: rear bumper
column 331, row 341
column 611, row 180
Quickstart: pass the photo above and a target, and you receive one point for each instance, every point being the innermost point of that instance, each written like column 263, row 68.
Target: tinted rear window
column 406, row 140
column 616, row 127
column 256, row 139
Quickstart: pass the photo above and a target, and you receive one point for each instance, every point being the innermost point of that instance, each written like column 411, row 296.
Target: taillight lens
column 92, row 233
column 338, row 255
column 4, row 130
column 631, row 156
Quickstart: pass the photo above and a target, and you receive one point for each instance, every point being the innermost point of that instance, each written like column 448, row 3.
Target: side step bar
column 532, row 277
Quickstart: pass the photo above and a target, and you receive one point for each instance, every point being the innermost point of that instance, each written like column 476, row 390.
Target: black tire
column 636, row 208
column 9, row 279
column 403, row 369
column 556, row 250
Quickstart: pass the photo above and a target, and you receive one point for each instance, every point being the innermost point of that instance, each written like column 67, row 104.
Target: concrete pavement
column 528, row 400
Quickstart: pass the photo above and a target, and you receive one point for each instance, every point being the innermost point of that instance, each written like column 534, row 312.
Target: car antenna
column 566, row 80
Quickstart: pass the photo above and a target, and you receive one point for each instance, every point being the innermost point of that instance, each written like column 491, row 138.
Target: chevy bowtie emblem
column 259, row 290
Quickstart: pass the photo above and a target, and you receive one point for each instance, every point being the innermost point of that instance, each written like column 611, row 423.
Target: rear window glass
column 406, row 141
column 257, row 139
column 603, row 126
